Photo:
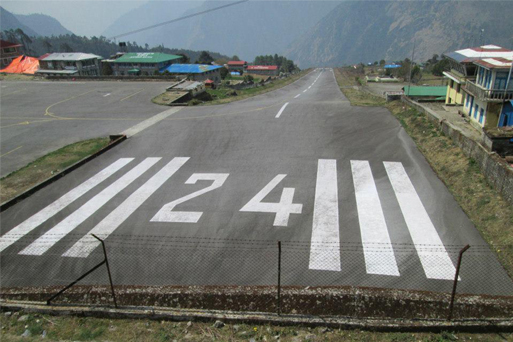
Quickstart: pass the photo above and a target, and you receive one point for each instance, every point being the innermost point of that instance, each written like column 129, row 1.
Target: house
column 425, row 93
column 237, row 66
column 195, row 72
column 141, row 63
column 463, row 68
column 267, row 70
column 9, row 51
column 70, row 63
column 488, row 100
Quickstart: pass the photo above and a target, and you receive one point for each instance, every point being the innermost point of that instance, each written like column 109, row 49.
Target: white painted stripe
column 325, row 243
column 377, row 248
column 298, row 95
column 436, row 262
column 51, row 237
column 149, row 122
column 43, row 215
column 304, row 91
column 83, row 247
column 108, row 94
column 281, row 110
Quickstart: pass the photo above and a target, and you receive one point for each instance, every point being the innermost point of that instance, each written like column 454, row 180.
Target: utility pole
column 411, row 64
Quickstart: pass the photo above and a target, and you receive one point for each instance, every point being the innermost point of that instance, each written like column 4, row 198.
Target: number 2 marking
column 283, row 209
column 166, row 213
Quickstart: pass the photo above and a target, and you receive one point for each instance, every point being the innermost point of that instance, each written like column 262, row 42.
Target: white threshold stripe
column 434, row 258
column 44, row 214
column 149, row 122
column 304, row 91
column 51, row 237
column 377, row 248
column 298, row 95
column 281, row 110
column 83, row 247
column 325, row 242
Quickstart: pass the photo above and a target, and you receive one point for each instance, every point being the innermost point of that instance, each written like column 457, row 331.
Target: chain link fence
column 287, row 277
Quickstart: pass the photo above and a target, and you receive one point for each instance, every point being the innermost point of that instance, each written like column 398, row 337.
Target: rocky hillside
column 33, row 24
column 366, row 31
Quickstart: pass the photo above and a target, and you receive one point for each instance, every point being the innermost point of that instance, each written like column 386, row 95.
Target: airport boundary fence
column 250, row 275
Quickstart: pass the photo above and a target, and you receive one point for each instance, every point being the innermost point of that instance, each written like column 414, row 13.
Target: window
column 476, row 109
column 481, row 116
column 458, row 86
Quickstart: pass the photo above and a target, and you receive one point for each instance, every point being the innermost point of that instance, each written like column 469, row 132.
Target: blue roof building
column 195, row 72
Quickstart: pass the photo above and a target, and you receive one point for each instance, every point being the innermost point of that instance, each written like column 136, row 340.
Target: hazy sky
column 83, row 18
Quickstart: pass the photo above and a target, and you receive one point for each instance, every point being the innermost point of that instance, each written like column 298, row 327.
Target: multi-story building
column 488, row 100
column 9, row 51
column 237, row 66
column 142, row 63
column 70, row 63
column 463, row 69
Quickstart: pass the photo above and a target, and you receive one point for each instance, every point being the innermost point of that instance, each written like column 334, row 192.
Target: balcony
column 488, row 95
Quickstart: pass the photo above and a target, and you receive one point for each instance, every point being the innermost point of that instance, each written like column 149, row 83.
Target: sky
column 84, row 18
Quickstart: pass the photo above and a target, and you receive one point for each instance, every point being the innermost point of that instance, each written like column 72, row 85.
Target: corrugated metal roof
column 145, row 57
column 262, row 67
column 472, row 54
column 5, row 44
column 69, row 56
column 237, row 62
column 495, row 63
column 438, row 91
column 189, row 68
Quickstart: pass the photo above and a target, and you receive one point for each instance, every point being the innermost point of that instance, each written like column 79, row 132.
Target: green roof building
column 426, row 93
column 141, row 63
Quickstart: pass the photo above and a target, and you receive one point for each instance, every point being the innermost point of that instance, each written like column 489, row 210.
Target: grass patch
column 221, row 96
column 490, row 213
column 350, row 86
column 46, row 166
column 17, row 77
column 62, row 328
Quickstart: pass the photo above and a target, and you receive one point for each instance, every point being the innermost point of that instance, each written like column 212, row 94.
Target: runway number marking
column 283, row 209
column 166, row 214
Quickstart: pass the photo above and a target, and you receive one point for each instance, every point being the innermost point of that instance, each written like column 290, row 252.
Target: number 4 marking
column 283, row 209
column 166, row 213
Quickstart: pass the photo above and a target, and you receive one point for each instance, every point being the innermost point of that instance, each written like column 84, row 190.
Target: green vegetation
column 284, row 64
column 43, row 168
column 62, row 328
column 489, row 212
column 37, row 46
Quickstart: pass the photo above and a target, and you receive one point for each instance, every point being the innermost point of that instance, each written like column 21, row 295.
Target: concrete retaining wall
column 165, row 78
column 496, row 171
column 344, row 301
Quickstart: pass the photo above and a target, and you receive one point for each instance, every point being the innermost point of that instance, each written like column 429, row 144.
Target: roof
column 145, row 57
column 44, row 56
column 237, row 62
column 209, row 81
column 471, row 54
column 189, row 68
column 437, row 91
column 262, row 67
column 65, row 72
column 70, row 56
column 5, row 44
column 22, row 65
column 392, row 66
column 495, row 63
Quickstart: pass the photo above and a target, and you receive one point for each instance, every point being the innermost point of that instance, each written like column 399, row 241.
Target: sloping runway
column 202, row 196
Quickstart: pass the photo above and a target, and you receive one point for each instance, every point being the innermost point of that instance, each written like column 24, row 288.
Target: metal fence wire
column 280, row 277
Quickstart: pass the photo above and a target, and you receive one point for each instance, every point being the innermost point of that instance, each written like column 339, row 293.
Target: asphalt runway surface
column 202, row 195
column 39, row 117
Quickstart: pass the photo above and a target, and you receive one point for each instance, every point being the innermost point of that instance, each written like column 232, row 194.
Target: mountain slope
column 43, row 25
column 9, row 22
column 367, row 31
column 248, row 29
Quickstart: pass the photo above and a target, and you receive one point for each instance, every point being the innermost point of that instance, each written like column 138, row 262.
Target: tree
column 204, row 58
column 382, row 62
column 25, row 40
column 47, row 45
column 65, row 47
column 106, row 69
column 185, row 58
column 224, row 72
column 440, row 67
column 235, row 58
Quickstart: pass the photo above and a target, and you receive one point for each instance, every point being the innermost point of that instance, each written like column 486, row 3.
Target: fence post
column 455, row 285
column 108, row 269
column 279, row 278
